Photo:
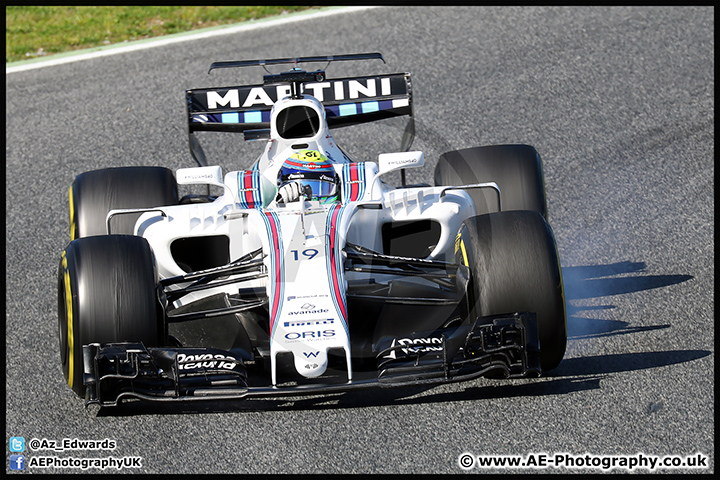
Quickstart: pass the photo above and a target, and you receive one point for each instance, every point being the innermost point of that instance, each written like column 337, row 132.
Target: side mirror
column 389, row 162
column 203, row 176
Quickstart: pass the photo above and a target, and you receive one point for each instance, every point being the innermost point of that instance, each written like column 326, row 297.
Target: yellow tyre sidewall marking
column 68, row 309
column 72, row 215
column 465, row 258
column 460, row 245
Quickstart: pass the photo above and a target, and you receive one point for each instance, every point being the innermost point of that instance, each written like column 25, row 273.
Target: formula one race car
column 308, row 274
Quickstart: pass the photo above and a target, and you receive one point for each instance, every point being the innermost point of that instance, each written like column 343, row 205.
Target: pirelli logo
column 309, row 323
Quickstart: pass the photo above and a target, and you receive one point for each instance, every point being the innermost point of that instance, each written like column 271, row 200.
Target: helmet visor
column 323, row 185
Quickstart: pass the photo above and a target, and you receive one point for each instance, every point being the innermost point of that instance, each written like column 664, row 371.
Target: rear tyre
column 516, row 169
column 93, row 194
column 514, row 268
column 106, row 293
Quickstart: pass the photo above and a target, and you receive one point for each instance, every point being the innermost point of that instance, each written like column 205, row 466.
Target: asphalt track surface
column 618, row 101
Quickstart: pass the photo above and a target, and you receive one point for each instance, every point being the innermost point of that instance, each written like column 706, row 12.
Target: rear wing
column 347, row 101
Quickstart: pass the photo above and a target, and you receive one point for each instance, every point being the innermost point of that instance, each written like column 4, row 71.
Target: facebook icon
column 17, row 462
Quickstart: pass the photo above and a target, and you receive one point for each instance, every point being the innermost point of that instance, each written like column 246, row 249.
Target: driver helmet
column 312, row 169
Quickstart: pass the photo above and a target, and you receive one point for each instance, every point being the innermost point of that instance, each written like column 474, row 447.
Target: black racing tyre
column 106, row 293
column 516, row 169
column 513, row 260
column 93, row 194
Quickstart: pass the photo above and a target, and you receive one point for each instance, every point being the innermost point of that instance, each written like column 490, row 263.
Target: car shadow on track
column 584, row 283
column 591, row 280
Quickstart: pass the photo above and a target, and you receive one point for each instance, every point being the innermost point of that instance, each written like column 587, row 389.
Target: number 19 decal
column 308, row 253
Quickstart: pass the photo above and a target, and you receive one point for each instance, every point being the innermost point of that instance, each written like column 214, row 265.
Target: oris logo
column 314, row 335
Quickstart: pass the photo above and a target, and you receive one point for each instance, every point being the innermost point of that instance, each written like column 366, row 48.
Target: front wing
column 503, row 345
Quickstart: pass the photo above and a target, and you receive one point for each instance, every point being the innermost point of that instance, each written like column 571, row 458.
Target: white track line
column 183, row 37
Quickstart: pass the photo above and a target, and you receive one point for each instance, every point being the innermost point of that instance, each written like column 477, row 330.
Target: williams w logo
column 310, row 354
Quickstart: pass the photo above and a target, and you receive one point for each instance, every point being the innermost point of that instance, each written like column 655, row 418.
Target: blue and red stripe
column 353, row 182
column 249, row 189
column 334, row 264
column 277, row 282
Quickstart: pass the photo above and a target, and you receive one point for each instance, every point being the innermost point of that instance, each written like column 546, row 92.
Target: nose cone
column 311, row 364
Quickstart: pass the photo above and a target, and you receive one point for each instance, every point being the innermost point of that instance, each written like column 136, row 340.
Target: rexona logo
column 415, row 345
column 312, row 335
column 206, row 361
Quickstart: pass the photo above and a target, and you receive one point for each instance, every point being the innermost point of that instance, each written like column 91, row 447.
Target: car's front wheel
column 514, row 267
column 106, row 293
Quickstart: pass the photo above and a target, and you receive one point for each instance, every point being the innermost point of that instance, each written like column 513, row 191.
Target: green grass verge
column 34, row 32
